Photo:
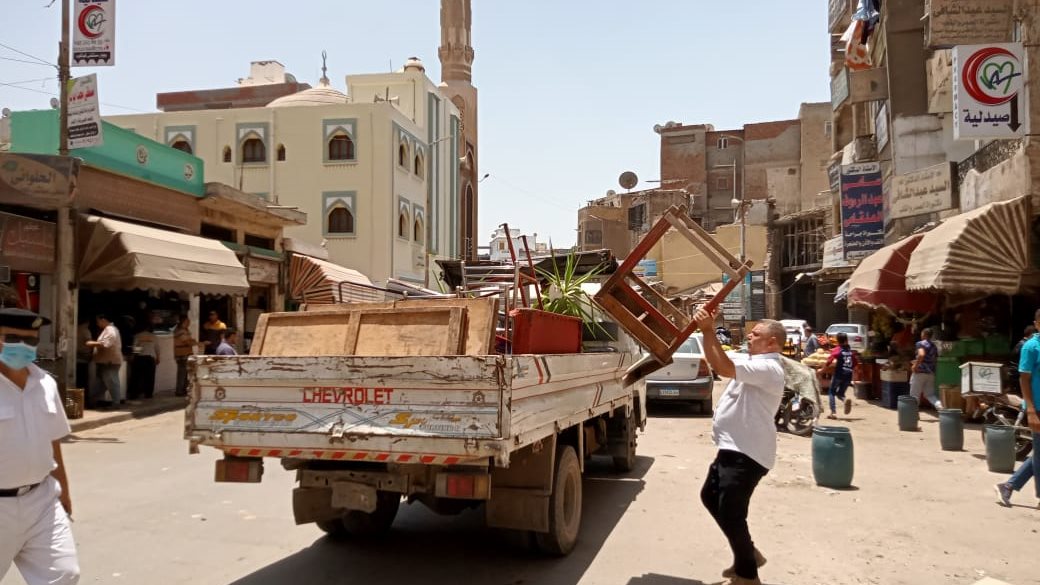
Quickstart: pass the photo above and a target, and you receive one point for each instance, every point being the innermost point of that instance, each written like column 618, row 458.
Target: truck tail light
column 703, row 369
column 464, row 486
column 239, row 469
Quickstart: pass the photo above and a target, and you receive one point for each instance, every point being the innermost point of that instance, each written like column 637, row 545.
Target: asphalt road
column 146, row 512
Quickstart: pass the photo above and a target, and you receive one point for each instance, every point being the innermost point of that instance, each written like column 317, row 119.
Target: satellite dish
column 628, row 179
column 611, row 192
column 55, row 103
column 657, row 128
column 6, row 112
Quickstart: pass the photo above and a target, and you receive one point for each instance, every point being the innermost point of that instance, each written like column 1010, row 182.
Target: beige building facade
column 375, row 168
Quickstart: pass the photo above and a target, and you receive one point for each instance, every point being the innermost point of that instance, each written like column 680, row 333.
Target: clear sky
column 569, row 90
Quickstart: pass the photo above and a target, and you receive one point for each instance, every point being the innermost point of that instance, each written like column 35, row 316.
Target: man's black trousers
column 727, row 490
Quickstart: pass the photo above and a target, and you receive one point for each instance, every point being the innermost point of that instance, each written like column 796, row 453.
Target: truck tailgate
column 420, row 409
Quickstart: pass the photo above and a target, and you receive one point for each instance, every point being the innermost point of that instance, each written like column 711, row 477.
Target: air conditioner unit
column 5, row 274
column 864, row 149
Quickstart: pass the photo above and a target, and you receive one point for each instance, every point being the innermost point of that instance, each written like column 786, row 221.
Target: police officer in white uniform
column 35, row 505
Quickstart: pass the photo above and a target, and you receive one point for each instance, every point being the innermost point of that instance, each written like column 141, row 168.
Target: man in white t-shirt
column 744, row 430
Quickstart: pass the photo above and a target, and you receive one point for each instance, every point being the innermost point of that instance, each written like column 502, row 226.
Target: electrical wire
column 38, row 60
column 26, row 61
column 44, row 92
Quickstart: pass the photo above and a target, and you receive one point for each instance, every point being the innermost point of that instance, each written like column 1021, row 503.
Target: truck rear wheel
column 625, row 450
column 564, row 506
column 357, row 523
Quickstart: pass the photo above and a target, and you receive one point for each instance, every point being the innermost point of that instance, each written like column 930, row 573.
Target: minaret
column 456, row 55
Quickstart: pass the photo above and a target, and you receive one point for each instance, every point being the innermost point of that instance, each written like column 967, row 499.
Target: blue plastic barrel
column 908, row 413
column 951, row 429
column 832, row 455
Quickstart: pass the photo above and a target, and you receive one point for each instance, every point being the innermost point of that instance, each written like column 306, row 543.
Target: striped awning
column 982, row 251
column 316, row 281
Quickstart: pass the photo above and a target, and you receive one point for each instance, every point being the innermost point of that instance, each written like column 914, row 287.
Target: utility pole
column 65, row 286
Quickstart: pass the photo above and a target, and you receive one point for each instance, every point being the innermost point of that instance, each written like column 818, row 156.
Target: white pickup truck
column 374, row 402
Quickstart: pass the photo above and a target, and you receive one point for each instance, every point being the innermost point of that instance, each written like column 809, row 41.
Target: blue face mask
column 17, row 355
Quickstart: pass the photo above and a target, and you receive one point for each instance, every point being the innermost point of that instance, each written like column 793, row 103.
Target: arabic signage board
column 839, row 88
column 940, row 74
column 967, row 22
column 84, row 113
column 881, row 127
column 989, row 92
column 834, row 175
column 26, row 244
column 36, row 180
column 834, row 253
column 94, row 33
column 862, row 209
column 755, row 283
column 927, row 190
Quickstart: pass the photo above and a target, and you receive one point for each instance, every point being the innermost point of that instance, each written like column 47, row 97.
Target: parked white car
column 796, row 330
column 857, row 334
column 687, row 379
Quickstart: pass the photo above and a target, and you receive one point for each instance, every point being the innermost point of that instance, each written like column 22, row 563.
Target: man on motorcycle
column 1029, row 380
column 744, row 429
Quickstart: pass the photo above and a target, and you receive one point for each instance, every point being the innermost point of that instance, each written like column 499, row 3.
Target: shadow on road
column 655, row 579
column 78, row 439
column 434, row 550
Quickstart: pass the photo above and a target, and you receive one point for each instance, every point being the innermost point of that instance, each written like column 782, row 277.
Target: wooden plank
column 353, row 326
column 456, row 323
column 416, row 331
column 481, row 317
column 303, row 334
column 258, row 336
column 679, row 319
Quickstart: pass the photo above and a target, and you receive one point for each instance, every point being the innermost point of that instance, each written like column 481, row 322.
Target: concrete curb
column 160, row 404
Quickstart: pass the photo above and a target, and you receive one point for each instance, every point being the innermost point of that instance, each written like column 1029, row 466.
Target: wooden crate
column 951, row 397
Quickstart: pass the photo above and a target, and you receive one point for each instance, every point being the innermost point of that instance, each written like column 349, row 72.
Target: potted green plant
column 567, row 311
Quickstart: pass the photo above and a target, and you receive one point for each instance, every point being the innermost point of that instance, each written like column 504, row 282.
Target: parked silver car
column 687, row 379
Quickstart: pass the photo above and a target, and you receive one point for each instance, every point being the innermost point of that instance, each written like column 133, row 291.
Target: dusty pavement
column 148, row 513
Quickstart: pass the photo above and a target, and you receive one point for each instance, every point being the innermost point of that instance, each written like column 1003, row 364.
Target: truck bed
column 445, row 410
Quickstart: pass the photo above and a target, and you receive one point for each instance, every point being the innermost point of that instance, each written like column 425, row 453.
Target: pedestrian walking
column 845, row 362
column 744, row 430
column 108, row 356
column 922, row 373
column 227, row 342
column 1029, row 381
column 35, row 502
column 183, row 348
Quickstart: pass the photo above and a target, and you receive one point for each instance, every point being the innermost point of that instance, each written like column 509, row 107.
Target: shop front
column 140, row 276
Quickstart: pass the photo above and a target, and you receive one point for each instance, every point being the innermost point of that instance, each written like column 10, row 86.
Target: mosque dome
column 322, row 95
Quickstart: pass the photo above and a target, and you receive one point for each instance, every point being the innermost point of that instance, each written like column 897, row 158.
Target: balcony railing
column 988, row 157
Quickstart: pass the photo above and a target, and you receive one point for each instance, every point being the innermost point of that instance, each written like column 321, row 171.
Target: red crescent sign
column 82, row 22
column 970, row 76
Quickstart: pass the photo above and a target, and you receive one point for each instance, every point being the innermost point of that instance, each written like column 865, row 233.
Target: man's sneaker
column 832, row 416
column 848, row 405
column 1004, row 494
column 732, row 572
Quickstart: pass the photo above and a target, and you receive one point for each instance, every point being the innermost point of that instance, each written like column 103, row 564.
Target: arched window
column 341, row 147
column 254, row 151
column 281, row 152
column 340, row 221
column 402, row 155
column 227, row 154
column 420, row 166
column 402, row 225
column 419, row 231
column 182, row 145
